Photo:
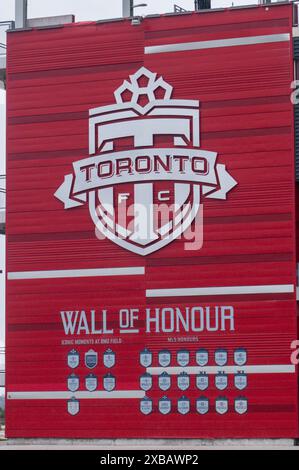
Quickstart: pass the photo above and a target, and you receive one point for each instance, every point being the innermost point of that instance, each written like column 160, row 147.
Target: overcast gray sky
column 83, row 10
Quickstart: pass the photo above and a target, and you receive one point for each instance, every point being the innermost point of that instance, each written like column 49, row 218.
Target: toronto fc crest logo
column 146, row 176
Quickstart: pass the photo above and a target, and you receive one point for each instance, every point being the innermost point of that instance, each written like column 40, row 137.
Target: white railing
column 4, row 26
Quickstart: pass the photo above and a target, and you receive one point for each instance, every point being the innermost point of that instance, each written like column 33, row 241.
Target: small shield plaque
column 221, row 357
column 146, row 358
column 146, row 382
column 146, row 405
column 164, row 381
column 109, row 358
column 202, row 381
column 73, row 382
column 240, row 380
column 221, row 405
column 241, row 405
column 202, row 357
column 221, row 381
column 240, row 356
column 73, row 406
column 91, row 359
column 164, row 405
column 109, row 382
column 91, row 382
column 183, row 381
column 183, row 358
column 183, row 405
column 73, row 359
column 202, row 405
column 164, row 358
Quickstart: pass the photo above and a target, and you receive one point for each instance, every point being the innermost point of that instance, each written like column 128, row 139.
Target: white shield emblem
column 241, row 405
column 183, row 405
column 183, row 358
column 146, row 382
column 240, row 380
column 91, row 382
column 240, row 356
column 164, row 405
column 202, row 405
column 146, row 358
column 221, row 357
column 164, row 358
column 73, row 406
column 109, row 382
column 183, row 381
column 109, row 358
column 97, row 180
column 73, row 359
column 202, row 357
column 221, row 381
column 164, row 381
column 202, row 381
column 221, row 405
column 91, row 359
column 73, row 382
column 146, row 405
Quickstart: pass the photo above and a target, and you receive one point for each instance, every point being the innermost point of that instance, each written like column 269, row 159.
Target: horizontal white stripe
column 82, row 394
column 76, row 273
column 232, row 290
column 260, row 369
column 242, row 41
column 128, row 331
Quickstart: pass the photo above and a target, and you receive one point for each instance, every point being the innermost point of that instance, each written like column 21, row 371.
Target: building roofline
column 154, row 16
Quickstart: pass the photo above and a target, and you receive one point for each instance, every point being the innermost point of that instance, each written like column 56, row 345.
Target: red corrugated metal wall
column 54, row 77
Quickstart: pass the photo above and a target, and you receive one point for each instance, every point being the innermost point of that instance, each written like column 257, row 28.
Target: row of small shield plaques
column 91, row 382
column 202, row 405
column 90, row 359
column 201, row 356
column 183, row 405
column 201, row 380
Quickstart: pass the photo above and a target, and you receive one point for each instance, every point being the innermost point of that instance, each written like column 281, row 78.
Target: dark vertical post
column 131, row 8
